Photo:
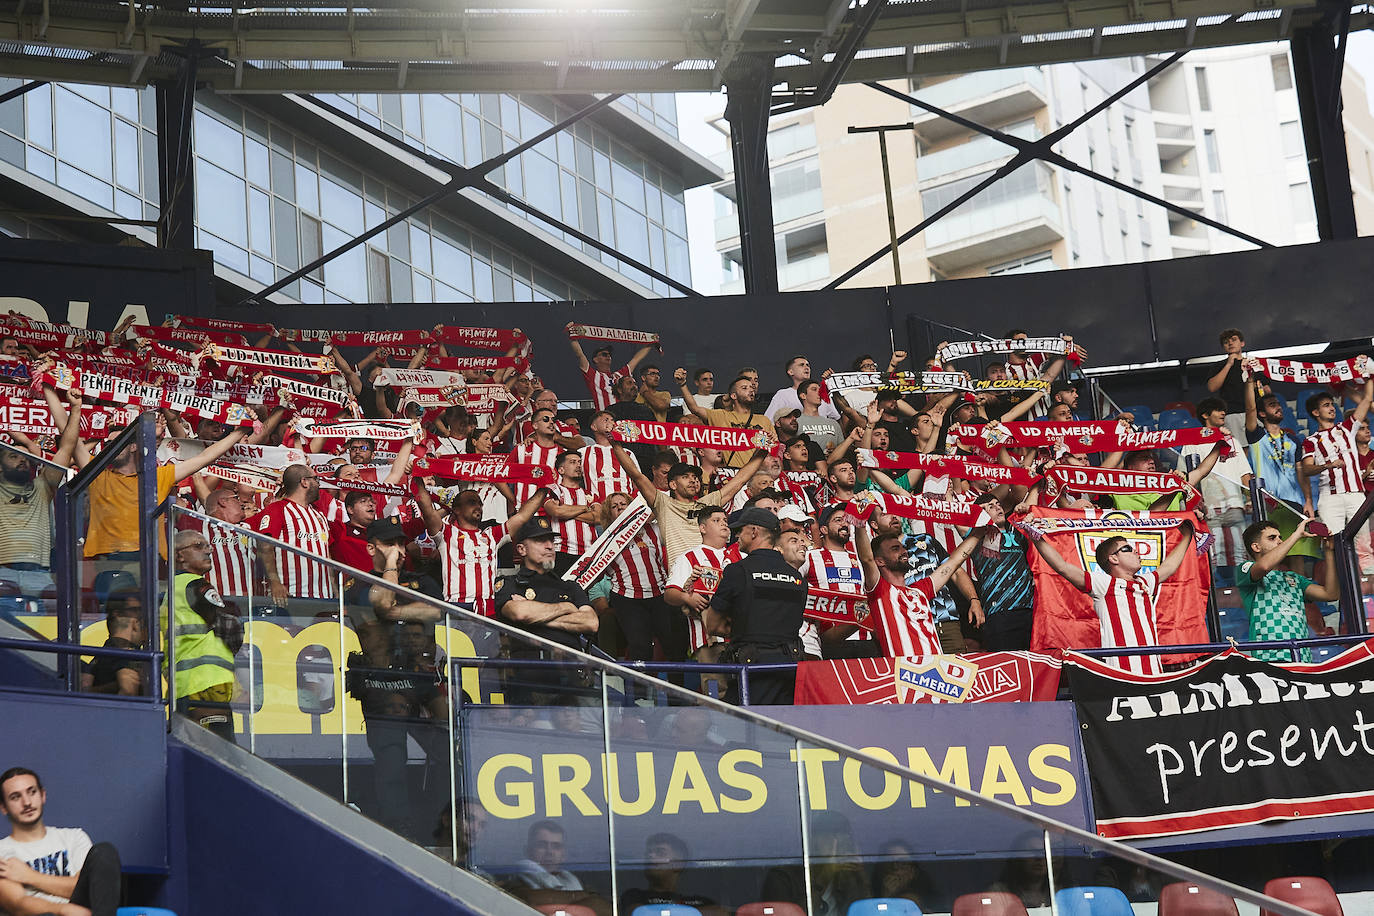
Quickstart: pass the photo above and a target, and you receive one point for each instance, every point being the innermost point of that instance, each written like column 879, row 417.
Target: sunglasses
column 1127, row 549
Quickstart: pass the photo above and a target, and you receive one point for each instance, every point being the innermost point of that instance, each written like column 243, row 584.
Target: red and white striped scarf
column 621, row 335
column 271, row 360
column 1108, row 481
column 488, row 468
column 946, row 466
column 1292, row 370
column 966, row 348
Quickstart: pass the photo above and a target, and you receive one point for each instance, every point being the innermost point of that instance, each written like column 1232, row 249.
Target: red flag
column 1064, row 616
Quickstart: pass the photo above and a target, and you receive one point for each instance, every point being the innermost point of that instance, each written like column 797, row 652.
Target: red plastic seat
column 1313, row 894
column 565, row 909
column 989, row 903
column 770, row 908
column 1186, row 899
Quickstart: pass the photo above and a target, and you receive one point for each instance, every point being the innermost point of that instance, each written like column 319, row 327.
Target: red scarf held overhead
column 489, row 468
column 1077, row 438
column 1109, row 481
column 197, row 336
column 479, row 338
column 691, row 435
column 835, row 607
column 920, row 508
column 944, row 466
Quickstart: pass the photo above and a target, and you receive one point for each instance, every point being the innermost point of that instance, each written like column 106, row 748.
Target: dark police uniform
column 551, row 686
column 764, row 598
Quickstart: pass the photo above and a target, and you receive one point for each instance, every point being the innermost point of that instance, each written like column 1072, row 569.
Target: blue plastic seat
column 143, row 911
column 884, row 906
column 1092, row 901
column 665, row 909
column 1144, row 416
column 1178, row 418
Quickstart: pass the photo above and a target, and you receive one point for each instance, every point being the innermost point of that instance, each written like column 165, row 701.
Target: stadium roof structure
column 584, row 46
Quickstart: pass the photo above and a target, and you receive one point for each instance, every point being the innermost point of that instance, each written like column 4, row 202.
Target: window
column 311, row 245
column 1209, row 138
column 1291, row 134
column 1204, row 95
column 1021, row 183
column 378, row 276
column 1030, row 264
column 1283, row 77
column 1300, row 198
column 792, row 138
column 1219, row 206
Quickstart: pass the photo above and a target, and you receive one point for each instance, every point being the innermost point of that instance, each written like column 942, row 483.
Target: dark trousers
column 98, row 885
column 773, row 688
column 646, row 620
column 1008, row 630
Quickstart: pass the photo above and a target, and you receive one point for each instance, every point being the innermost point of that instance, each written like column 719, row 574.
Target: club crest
column 943, row 678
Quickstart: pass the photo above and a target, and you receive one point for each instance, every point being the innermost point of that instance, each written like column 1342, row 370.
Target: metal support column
column 749, row 87
column 176, row 101
column 1318, row 60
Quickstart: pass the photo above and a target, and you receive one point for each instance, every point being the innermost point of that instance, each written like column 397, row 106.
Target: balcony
column 978, row 152
column 794, row 206
column 976, row 234
column 1181, row 195
column 1173, row 139
column 988, row 97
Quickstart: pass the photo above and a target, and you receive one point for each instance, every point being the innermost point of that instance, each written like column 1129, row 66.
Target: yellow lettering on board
column 813, row 761
column 1000, row 776
column 688, row 784
column 280, row 652
column 751, row 783
column 953, row 770
column 1062, row 779
column 492, row 793
column 574, row 788
column 644, row 777
column 853, row 784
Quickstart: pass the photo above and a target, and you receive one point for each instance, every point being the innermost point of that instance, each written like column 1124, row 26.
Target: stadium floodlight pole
column 882, row 130
column 461, row 177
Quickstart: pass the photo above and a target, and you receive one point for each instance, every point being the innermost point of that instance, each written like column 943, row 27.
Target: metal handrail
column 803, row 736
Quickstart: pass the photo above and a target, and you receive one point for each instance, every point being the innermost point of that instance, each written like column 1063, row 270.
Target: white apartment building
column 1217, row 132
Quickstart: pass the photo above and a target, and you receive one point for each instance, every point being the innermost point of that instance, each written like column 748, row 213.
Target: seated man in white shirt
column 51, row 869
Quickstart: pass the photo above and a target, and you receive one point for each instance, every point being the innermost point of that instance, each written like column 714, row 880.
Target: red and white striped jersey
column 638, row 571
column 1126, row 614
column 603, row 473
column 531, row 452
column 697, row 570
column 469, row 564
column 1030, row 369
column 305, row 528
column 902, row 620
column 231, row 557
column 1336, row 444
column 574, row 535
column 331, row 506
column 686, row 455
column 602, row 385
column 838, row 570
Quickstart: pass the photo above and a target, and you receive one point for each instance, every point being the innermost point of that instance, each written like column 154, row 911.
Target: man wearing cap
column 1064, row 391
column 537, row 601
column 672, row 509
column 598, row 374
column 764, row 596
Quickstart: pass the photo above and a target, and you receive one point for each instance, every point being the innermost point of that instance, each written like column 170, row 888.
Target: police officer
column 764, row 596
column 536, row 600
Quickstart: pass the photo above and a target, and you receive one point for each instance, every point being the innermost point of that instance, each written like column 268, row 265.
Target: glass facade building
column 271, row 196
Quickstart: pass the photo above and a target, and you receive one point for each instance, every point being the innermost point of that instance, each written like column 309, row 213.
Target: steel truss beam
column 1036, row 150
column 390, row 50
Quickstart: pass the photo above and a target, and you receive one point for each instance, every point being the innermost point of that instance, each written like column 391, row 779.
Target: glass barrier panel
column 704, row 805
column 28, row 594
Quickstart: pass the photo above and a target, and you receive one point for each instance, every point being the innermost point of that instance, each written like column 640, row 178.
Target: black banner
column 1227, row 742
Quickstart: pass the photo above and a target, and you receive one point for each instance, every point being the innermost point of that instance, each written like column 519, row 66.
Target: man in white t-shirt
column 1123, row 596
column 51, row 869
